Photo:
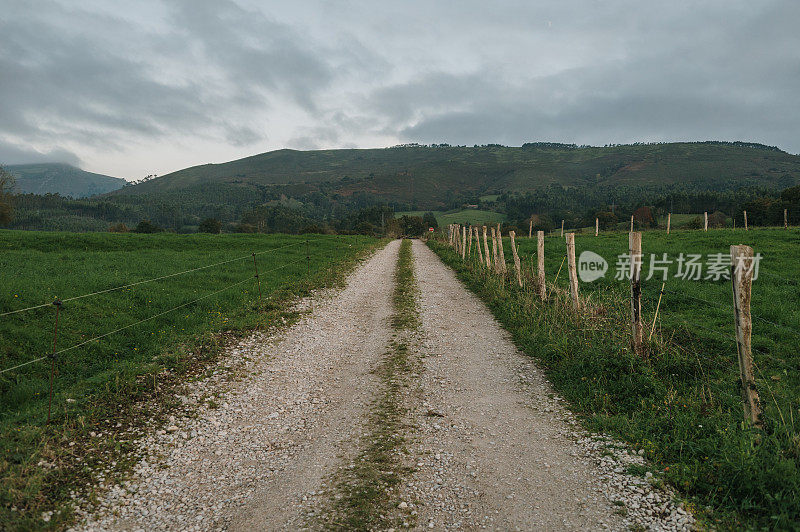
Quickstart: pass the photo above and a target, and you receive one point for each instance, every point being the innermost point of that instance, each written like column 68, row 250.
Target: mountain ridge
column 61, row 178
column 429, row 176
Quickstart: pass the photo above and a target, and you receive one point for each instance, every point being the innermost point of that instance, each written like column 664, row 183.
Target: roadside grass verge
column 100, row 389
column 681, row 403
column 368, row 487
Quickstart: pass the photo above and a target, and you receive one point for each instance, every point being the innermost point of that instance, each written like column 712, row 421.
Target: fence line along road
column 137, row 283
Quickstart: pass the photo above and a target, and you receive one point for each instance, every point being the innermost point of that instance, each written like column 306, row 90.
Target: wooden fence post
column 503, row 268
column 469, row 245
column 596, row 226
column 495, row 264
column 669, row 221
column 705, row 221
column 463, row 242
column 562, row 228
column 573, row 272
column 631, row 224
column 635, row 245
column 745, row 221
column 486, row 249
column 742, row 280
column 530, row 228
column 540, row 264
column 478, row 245
column 785, row 219
column 517, row 266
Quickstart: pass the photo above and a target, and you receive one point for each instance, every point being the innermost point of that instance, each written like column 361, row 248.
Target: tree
column 429, row 219
column 716, row 219
column 7, row 184
column 412, row 226
column 148, row 227
column 210, row 225
column 607, row 219
column 644, row 216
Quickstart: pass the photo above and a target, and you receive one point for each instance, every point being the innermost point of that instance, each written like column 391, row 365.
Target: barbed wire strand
column 148, row 318
column 149, row 280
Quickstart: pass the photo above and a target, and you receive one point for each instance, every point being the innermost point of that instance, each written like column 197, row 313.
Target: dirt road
column 489, row 444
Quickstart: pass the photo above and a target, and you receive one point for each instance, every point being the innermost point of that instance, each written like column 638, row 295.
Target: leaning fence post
column 478, row 245
column 494, row 251
column 669, row 221
column 596, row 226
column 517, row 267
column 503, row 268
column 469, row 244
column 658, row 306
column 705, row 221
column 573, row 273
column 463, row 242
column 745, row 220
column 635, row 245
column 540, row 264
column 486, row 249
column 57, row 304
column 742, row 263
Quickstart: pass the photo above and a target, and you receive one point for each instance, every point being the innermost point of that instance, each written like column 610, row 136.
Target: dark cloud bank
column 77, row 78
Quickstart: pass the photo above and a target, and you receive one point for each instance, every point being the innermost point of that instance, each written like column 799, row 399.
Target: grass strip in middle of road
column 366, row 491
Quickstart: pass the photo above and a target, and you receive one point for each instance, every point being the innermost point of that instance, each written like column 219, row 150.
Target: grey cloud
column 10, row 154
column 232, row 72
column 102, row 81
column 737, row 81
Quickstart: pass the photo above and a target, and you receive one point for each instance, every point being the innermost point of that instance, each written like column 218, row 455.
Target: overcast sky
column 135, row 88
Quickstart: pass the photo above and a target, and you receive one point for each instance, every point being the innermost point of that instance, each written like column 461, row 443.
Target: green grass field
column 681, row 403
column 463, row 216
column 96, row 382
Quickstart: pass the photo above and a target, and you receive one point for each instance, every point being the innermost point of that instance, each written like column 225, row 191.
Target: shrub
column 119, row 228
column 146, row 226
column 210, row 225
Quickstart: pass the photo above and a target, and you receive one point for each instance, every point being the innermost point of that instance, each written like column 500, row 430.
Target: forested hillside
column 435, row 177
column 355, row 190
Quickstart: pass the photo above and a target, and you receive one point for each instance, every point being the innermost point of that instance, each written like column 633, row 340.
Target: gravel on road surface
column 257, row 461
column 497, row 447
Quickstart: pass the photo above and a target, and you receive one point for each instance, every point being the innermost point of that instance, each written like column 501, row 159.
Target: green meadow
column 681, row 402
column 462, row 216
column 156, row 331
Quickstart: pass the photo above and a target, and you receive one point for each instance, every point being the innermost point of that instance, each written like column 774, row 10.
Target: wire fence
column 145, row 281
column 255, row 277
column 717, row 319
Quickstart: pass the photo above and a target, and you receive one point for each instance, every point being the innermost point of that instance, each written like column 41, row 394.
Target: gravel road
column 493, row 446
column 250, row 463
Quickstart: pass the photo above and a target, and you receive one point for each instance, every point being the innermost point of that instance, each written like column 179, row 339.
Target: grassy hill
column 431, row 177
column 64, row 179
